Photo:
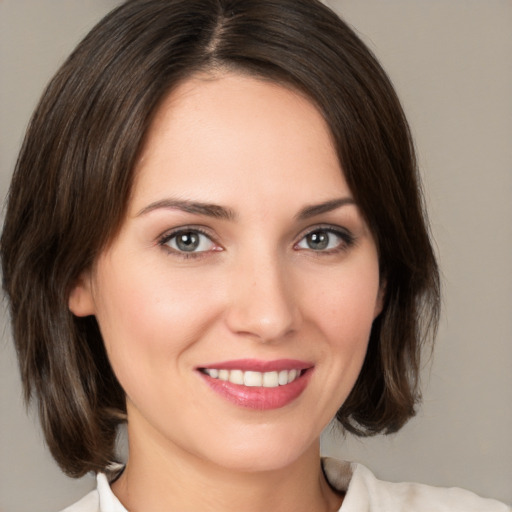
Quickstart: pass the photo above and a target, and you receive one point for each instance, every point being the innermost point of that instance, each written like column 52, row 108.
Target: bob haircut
column 73, row 177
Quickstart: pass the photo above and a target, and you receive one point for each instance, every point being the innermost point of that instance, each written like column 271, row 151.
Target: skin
column 255, row 288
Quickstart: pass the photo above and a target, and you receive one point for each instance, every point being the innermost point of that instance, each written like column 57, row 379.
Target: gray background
column 451, row 62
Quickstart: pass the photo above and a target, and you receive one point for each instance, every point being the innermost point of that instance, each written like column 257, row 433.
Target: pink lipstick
column 257, row 384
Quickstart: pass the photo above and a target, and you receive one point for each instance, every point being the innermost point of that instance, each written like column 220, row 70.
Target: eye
column 326, row 240
column 188, row 241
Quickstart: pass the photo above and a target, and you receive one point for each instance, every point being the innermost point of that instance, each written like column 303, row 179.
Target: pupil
column 318, row 241
column 187, row 241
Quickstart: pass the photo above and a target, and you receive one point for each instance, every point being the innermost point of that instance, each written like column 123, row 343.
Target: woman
column 215, row 234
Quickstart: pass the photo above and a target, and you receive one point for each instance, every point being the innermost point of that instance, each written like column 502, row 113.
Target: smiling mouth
column 258, row 385
column 272, row 379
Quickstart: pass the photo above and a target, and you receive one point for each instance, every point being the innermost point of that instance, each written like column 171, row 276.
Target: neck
column 161, row 477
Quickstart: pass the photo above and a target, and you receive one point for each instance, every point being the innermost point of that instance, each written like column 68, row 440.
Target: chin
column 262, row 451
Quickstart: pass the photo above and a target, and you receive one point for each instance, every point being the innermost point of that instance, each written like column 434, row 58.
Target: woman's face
column 242, row 257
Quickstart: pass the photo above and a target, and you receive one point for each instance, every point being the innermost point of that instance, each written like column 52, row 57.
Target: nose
column 262, row 305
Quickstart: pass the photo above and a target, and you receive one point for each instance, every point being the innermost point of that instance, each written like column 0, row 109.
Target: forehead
column 231, row 128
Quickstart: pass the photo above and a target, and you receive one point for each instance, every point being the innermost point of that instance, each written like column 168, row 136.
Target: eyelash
column 347, row 240
column 164, row 240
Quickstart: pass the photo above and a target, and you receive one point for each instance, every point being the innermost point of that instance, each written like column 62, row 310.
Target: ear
column 379, row 303
column 81, row 301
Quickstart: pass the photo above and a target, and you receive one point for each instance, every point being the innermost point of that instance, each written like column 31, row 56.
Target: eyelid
column 168, row 235
column 347, row 237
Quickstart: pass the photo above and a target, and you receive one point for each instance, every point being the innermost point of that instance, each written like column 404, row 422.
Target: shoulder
column 89, row 503
column 102, row 499
column 366, row 493
column 387, row 496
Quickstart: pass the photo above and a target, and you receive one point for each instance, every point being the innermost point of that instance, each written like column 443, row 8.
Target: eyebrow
column 199, row 208
column 221, row 212
column 327, row 206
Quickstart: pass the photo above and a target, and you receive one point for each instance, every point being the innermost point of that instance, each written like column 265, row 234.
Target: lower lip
column 259, row 398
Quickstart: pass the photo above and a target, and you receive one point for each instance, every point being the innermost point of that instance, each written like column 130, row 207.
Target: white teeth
column 292, row 375
column 223, row 375
column 283, row 377
column 213, row 373
column 270, row 380
column 254, row 379
column 236, row 376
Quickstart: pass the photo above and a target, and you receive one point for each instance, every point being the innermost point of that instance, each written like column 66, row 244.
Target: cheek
column 149, row 320
column 346, row 303
column 344, row 309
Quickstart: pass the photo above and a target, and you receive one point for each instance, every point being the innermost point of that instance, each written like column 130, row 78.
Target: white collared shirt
column 364, row 493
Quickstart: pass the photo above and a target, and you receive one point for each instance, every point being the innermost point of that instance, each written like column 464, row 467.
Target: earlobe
column 379, row 303
column 80, row 301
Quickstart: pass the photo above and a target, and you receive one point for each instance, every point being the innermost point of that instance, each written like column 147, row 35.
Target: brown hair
column 74, row 173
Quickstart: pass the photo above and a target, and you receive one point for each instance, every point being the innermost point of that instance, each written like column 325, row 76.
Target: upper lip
column 258, row 365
